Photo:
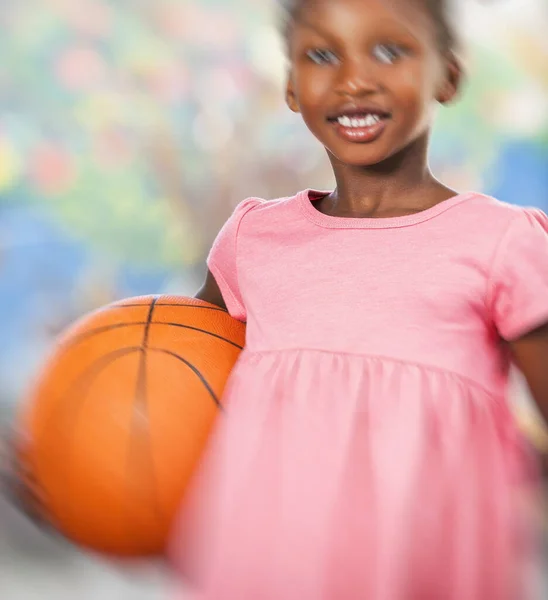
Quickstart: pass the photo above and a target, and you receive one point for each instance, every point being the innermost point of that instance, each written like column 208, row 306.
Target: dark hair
column 440, row 10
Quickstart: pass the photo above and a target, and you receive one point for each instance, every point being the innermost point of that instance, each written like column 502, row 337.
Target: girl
column 367, row 451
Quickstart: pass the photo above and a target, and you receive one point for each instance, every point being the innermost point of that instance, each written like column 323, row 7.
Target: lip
column 360, row 134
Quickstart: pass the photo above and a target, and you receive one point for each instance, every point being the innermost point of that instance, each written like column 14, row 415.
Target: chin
column 361, row 155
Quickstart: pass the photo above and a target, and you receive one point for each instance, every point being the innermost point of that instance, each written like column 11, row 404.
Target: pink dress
column 367, row 451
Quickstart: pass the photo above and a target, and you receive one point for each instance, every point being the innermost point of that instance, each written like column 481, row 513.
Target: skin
column 390, row 176
column 530, row 353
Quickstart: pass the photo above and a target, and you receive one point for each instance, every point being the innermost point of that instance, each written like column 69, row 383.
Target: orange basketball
column 120, row 416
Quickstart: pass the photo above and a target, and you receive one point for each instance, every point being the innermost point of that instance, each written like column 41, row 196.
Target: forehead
column 350, row 16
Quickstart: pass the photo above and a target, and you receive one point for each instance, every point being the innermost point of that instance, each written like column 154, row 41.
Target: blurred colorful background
column 129, row 129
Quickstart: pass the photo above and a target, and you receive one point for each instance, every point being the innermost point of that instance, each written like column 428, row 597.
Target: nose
column 356, row 78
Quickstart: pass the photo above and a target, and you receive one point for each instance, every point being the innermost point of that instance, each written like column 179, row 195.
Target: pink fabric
column 367, row 450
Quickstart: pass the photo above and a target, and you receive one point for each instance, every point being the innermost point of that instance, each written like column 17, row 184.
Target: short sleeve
column 223, row 260
column 519, row 276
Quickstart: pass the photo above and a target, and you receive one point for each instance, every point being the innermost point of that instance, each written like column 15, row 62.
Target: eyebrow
column 309, row 25
column 405, row 31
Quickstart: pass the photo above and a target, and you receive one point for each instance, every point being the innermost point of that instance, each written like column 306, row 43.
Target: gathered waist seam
column 496, row 396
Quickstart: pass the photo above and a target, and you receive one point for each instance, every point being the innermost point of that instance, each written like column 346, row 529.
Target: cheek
column 415, row 86
column 408, row 77
column 312, row 90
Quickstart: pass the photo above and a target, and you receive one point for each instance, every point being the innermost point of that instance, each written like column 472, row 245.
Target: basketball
column 120, row 415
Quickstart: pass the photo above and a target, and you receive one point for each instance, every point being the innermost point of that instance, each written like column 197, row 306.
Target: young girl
column 367, row 451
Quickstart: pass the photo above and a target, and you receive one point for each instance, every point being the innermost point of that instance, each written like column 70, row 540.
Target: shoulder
column 513, row 238
column 268, row 205
column 254, row 210
column 257, row 219
column 495, row 217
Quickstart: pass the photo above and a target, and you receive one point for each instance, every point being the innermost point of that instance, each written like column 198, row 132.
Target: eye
column 388, row 53
column 322, row 56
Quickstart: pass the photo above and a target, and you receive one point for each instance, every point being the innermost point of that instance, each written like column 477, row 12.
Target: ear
column 453, row 80
column 290, row 96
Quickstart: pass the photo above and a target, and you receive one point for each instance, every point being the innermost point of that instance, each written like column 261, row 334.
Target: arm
column 530, row 353
column 210, row 292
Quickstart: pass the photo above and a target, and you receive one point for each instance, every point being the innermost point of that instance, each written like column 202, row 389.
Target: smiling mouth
column 360, row 127
column 366, row 120
column 358, row 118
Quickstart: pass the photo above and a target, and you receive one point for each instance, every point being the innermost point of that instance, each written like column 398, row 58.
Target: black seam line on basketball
column 193, row 369
column 148, row 322
column 103, row 329
column 86, row 378
column 106, row 328
column 215, row 335
column 140, row 442
column 79, row 389
column 218, row 308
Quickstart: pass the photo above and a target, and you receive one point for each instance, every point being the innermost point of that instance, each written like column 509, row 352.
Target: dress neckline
column 307, row 197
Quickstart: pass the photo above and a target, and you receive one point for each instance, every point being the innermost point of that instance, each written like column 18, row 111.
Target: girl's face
column 366, row 75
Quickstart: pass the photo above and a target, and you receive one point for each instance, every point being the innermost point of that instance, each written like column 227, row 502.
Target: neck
column 402, row 183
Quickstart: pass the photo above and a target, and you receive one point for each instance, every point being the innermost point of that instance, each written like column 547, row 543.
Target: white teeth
column 367, row 121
